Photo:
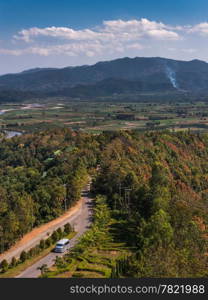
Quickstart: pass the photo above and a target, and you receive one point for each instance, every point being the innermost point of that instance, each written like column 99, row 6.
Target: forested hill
column 37, row 173
column 120, row 76
column 157, row 183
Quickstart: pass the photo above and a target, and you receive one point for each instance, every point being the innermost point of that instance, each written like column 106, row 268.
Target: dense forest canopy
column 40, row 175
column 156, row 181
column 160, row 182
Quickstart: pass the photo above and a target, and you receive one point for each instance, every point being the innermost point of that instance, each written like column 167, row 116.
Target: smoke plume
column 172, row 76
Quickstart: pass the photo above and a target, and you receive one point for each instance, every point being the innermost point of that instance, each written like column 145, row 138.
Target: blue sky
column 61, row 33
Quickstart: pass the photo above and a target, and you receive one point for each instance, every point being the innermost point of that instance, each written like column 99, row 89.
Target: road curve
column 33, row 237
column 81, row 222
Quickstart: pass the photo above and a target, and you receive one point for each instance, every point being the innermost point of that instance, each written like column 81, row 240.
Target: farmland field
column 101, row 116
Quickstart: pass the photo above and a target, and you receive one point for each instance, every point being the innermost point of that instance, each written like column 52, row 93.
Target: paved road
column 31, row 239
column 81, row 223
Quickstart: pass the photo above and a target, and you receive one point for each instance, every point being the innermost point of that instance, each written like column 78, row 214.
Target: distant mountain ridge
column 120, row 76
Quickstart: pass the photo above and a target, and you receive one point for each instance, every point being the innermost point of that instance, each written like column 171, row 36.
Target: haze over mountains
column 120, row 76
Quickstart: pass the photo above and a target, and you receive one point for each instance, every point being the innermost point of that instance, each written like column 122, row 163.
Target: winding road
column 80, row 219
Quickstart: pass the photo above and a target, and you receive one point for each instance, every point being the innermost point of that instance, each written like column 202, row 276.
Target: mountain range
column 117, row 77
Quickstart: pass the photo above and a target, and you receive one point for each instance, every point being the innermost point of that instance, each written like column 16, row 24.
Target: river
column 10, row 134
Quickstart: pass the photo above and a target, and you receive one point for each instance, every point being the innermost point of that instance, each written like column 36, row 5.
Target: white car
column 61, row 246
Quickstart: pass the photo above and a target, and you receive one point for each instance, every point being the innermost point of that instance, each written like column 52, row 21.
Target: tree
column 13, row 262
column 159, row 176
column 48, row 242
column 160, row 198
column 23, row 256
column 30, row 253
column 36, row 250
column 67, row 228
column 43, row 269
column 158, row 231
column 42, row 244
column 59, row 262
column 55, row 236
column 59, row 233
column 4, row 265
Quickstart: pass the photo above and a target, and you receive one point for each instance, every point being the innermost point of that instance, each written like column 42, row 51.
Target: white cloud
column 111, row 38
column 30, row 50
column 135, row 46
column 89, row 49
column 201, row 28
column 189, row 50
column 10, row 52
column 69, row 49
column 110, row 30
column 140, row 28
column 28, row 35
column 114, row 36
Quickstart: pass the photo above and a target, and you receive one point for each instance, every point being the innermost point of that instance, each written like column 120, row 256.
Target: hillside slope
column 151, row 218
column 118, row 76
column 158, row 184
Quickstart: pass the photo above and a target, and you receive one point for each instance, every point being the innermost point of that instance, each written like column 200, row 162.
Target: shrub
column 43, row 269
column 23, row 256
column 36, row 250
column 31, row 252
column 4, row 265
column 67, row 228
column 13, row 262
column 60, row 233
column 48, row 242
column 59, row 262
column 42, row 244
column 54, row 236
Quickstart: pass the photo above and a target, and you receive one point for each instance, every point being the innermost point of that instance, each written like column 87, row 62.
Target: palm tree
column 43, row 269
